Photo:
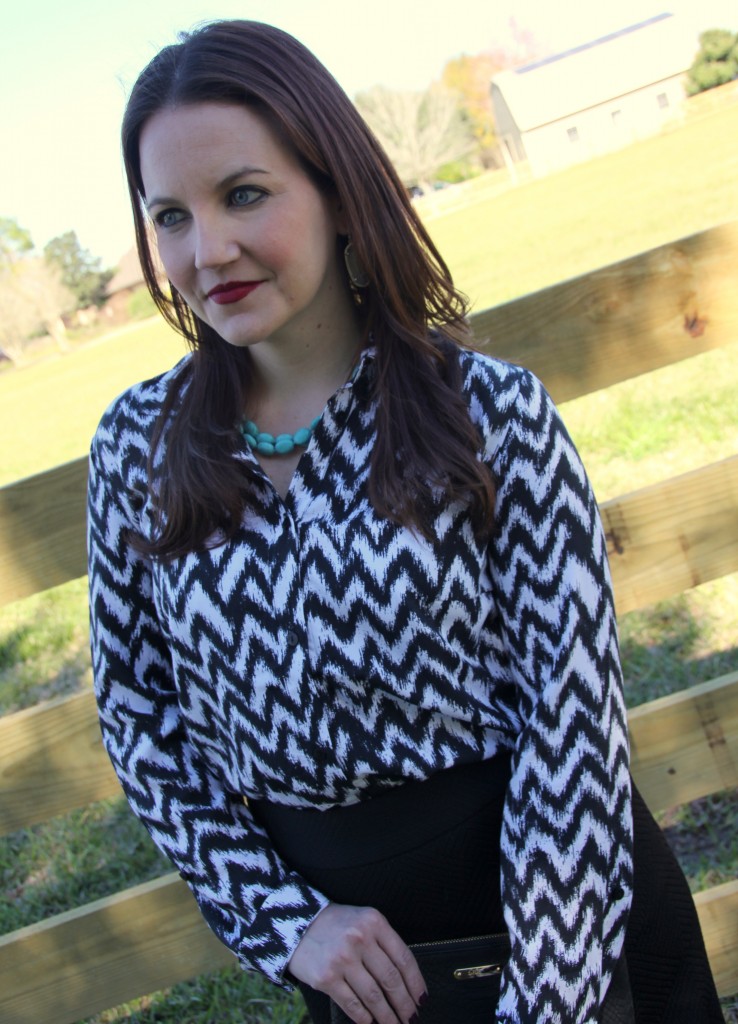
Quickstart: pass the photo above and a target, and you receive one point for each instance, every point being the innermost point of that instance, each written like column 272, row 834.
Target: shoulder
column 502, row 398
column 484, row 374
column 122, row 442
column 133, row 414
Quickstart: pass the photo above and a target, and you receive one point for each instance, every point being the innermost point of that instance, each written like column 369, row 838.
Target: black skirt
column 427, row 855
column 669, row 971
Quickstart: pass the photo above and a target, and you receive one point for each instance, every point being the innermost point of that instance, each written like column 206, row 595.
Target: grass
column 50, row 409
column 509, row 242
column 703, row 836
column 224, row 997
column 44, row 647
column 569, row 223
column 71, row 860
column 679, row 643
column 664, row 423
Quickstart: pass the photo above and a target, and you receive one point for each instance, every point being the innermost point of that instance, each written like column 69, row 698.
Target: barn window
column 573, row 134
column 663, row 100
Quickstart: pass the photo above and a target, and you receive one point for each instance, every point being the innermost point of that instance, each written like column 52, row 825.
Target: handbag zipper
column 466, row 973
column 454, row 942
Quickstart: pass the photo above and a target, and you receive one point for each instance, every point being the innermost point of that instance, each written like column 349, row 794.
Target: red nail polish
column 423, row 1000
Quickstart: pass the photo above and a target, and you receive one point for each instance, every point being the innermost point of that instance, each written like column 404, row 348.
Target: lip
column 232, row 291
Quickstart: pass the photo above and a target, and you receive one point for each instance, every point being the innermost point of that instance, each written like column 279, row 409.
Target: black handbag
column 463, row 979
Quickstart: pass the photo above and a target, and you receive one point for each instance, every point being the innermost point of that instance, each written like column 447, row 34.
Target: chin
column 238, row 336
column 238, row 340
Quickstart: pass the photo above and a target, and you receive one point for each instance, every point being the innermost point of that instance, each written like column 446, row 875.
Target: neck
column 291, row 385
column 279, row 373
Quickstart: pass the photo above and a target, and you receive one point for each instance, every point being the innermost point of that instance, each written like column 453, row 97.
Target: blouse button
column 291, row 638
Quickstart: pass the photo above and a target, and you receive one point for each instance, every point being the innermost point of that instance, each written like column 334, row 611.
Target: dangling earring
column 357, row 275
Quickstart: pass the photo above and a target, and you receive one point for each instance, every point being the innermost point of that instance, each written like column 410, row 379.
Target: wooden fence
column 661, row 307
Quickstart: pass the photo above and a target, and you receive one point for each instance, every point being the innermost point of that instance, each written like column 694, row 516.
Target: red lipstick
column 232, row 291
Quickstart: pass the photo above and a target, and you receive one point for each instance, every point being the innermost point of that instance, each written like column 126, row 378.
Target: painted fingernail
column 415, row 1019
column 423, row 1000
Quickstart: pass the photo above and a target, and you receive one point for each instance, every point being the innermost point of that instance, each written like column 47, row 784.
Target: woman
column 383, row 616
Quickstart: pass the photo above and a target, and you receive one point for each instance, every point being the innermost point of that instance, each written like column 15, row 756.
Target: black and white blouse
column 326, row 654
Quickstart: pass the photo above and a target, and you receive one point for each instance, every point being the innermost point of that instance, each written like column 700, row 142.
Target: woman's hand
column 355, row 957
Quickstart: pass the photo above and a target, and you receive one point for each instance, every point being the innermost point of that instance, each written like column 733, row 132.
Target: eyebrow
column 242, row 172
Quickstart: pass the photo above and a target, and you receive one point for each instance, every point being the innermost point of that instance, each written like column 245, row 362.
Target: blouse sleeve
column 566, row 838
column 248, row 897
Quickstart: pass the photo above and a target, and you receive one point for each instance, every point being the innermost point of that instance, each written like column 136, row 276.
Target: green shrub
column 459, row 170
column 716, row 63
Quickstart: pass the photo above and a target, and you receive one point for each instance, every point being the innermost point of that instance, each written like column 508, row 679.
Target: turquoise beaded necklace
column 267, row 444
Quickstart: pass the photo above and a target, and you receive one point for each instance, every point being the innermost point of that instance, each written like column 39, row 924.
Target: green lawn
column 594, row 214
column 50, row 409
column 512, row 241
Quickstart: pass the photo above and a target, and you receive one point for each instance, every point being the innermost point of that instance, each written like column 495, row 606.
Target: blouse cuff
column 276, row 931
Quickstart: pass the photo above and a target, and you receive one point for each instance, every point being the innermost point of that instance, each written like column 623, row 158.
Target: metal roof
column 598, row 71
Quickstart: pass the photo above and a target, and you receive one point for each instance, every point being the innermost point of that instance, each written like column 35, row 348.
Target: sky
column 66, row 69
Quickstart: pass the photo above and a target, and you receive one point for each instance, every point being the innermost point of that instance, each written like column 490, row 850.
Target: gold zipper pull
column 482, row 971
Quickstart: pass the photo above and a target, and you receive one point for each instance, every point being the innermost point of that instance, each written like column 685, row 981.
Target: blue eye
column 245, row 195
column 168, row 218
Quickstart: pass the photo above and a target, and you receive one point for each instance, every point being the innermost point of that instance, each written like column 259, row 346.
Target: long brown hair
column 410, row 308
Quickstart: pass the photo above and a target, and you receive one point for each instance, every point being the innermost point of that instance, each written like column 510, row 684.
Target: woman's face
column 245, row 236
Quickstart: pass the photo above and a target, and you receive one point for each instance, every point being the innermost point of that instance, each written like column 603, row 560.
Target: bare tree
column 17, row 320
column 32, row 298
column 421, row 131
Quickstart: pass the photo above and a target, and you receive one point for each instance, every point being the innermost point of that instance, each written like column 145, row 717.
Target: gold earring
column 357, row 275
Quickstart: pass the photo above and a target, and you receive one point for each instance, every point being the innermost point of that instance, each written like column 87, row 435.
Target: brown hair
column 410, row 308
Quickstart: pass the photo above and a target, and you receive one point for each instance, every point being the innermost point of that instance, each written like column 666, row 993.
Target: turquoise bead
column 266, row 444
column 284, row 444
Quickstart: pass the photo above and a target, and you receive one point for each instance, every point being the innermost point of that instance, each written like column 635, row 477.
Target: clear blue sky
column 66, row 67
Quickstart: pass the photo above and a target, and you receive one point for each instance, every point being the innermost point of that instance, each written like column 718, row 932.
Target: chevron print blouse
column 326, row 654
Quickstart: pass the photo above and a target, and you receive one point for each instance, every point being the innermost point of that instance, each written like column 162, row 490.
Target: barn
column 595, row 97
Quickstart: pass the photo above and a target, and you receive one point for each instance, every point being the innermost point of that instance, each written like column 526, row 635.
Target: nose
column 215, row 245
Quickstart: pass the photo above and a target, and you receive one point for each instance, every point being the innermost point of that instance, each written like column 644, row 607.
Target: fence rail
column 618, row 322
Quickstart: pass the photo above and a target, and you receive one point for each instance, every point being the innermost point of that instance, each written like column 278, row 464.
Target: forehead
column 204, row 142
